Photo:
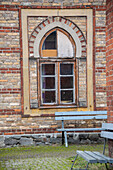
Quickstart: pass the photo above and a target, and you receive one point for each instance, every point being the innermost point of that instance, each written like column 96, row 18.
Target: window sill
column 58, row 107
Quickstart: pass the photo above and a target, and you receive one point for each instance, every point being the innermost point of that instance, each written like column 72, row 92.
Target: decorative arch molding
column 51, row 23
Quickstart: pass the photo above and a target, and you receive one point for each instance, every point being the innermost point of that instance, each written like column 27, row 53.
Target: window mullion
column 77, row 82
column 58, row 83
column 74, row 83
column 57, row 41
column 38, row 77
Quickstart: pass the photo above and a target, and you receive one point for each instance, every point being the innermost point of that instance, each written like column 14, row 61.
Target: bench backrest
column 82, row 115
column 107, row 131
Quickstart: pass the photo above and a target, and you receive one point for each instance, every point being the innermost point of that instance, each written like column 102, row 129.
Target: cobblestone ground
column 43, row 158
column 38, row 164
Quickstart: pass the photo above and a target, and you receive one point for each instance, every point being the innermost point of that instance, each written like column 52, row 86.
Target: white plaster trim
column 51, row 26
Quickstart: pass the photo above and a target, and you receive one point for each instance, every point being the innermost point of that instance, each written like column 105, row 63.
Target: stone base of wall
column 49, row 139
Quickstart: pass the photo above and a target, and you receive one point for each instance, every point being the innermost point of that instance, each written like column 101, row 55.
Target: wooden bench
column 97, row 157
column 81, row 115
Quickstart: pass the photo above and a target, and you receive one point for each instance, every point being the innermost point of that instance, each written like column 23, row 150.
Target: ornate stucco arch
column 51, row 23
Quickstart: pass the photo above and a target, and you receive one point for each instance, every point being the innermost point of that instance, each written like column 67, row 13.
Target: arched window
column 57, row 43
column 57, row 73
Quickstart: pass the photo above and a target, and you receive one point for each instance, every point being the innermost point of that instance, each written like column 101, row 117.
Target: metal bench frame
column 81, row 115
column 97, row 157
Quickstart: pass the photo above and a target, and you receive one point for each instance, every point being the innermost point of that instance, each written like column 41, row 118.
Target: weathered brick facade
column 109, row 59
column 12, row 117
column 109, row 65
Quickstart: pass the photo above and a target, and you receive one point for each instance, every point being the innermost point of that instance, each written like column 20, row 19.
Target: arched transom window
column 57, row 43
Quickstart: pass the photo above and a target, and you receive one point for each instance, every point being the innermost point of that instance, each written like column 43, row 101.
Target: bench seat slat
column 87, row 157
column 107, row 126
column 108, row 135
column 99, row 158
column 110, row 160
column 80, row 129
column 79, row 113
column 81, row 117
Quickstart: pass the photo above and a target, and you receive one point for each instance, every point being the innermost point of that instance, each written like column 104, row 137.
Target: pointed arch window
column 57, row 73
column 57, row 43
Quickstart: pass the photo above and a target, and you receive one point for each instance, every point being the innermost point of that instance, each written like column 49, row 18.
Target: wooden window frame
column 57, row 61
column 57, row 81
column 74, row 85
column 41, row 103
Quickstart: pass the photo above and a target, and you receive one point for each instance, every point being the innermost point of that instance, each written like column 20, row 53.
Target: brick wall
column 109, row 59
column 100, row 57
column 11, row 72
column 109, row 65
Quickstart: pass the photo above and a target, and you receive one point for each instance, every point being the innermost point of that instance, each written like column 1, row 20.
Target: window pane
column 67, row 96
column 65, row 46
column 66, row 69
column 48, row 83
column 66, row 82
column 50, row 45
column 50, row 42
column 48, row 78
column 48, row 69
column 48, row 96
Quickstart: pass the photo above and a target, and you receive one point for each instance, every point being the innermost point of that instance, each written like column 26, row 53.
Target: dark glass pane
column 67, row 96
column 48, row 69
column 48, row 96
column 48, row 82
column 66, row 82
column 66, row 69
column 50, row 45
column 50, row 42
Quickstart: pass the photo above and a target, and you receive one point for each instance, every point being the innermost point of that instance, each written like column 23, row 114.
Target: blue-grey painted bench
column 97, row 157
column 81, row 115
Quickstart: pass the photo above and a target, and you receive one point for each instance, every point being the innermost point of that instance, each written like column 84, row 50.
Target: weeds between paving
column 45, row 157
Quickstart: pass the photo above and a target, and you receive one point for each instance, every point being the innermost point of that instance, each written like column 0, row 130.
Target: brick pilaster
column 109, row 59
column 109, row 65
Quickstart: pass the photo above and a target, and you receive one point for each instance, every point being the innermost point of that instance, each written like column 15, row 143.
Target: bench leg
column 106, row 166
column 87, row 166
column 66, row 143
column 62, row 137
column 74, row 162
